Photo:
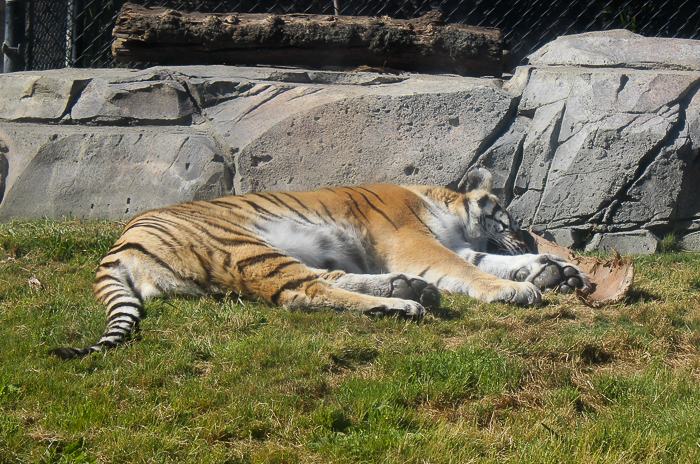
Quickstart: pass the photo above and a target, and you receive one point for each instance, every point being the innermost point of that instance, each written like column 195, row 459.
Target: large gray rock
column 614, row 149
column 45, row 96
column 384, row 143
column 139, row 139
column 690, row 242
column 640, row 242
column 599, row 134
column 619, row 49
column 592, row 147
column 107, row 172
column 143, row 98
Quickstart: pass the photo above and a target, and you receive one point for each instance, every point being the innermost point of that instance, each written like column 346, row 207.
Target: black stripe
column 291, row 284
column 230, row 206
column 328, row 212
column 357, row 207
column 165, row 243
column 136, row 219
column 116, row 284
column 99, row 280
column 118, row 249
column 220, row 202
column 123, row 318
column 420, row 220
column 228, row 242
column 280, row 267
column 194, row 226
column 227, row 224
column 115, row 249
column 148, row 221
column 113, row 315
column 203, row 264
column 274, row 200
column 107, row 298
column 257, row 258
column 244, row 239
column 375, row 208
column 423, row 272
column 373, row 193
column 477, row 258
column 298, row 201
column 108, row 265
column 161, row 230
column 135, row 291
column 141, row 249
column 296, row 213
column 116, row 332
column 260, row 210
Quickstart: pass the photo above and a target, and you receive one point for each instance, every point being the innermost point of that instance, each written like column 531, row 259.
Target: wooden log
column 425, row 44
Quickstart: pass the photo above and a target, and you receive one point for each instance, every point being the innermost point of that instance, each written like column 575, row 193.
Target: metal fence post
column 14, row 46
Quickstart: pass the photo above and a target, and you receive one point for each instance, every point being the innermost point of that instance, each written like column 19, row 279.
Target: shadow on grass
column 641, row 296
column 445, row 313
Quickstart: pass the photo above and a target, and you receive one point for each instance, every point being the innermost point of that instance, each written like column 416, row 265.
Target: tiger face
column 377, row 249
column 495, row 228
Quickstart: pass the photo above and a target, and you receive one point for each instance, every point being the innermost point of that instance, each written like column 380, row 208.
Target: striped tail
column 124, row 311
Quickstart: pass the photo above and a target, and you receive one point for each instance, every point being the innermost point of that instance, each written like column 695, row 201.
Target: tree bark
column 424, row 44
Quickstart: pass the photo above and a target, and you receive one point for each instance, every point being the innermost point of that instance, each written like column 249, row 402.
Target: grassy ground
column 230, row 381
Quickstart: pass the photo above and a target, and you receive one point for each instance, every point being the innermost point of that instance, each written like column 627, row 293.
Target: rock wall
column 596, row 142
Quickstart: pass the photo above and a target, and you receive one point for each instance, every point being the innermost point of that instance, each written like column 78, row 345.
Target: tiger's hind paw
column 397, row 307
column 416, row 289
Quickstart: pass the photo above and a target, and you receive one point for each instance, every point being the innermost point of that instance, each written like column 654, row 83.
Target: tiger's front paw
column 507, row 291
column 521, row 293
column 549, row 272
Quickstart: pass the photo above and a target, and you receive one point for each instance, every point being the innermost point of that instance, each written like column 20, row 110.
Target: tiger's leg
column 122, row 284
column 422, row 255
column 285, row 281
column 392, row 285
column 547, row 272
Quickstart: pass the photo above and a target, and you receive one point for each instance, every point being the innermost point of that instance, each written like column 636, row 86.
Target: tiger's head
column 489, row 227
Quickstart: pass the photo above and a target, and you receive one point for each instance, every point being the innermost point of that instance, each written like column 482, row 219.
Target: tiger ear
column 479, row 179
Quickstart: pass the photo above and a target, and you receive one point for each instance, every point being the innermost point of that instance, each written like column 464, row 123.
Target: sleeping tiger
column 378, row 249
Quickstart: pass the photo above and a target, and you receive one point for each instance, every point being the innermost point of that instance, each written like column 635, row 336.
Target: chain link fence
column 78, row 33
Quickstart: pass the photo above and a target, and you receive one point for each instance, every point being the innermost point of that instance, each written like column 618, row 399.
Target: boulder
column 44, row 96
column 566, row 237
column 619, row 49
column 111, row 173
column 384, row 143
column 599, row 135
column 640, row 242
column 615, row 146
column 144, row 98
column 690, row 242
column 143, row 139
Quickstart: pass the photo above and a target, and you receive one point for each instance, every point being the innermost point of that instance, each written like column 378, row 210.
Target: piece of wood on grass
column 424, row 44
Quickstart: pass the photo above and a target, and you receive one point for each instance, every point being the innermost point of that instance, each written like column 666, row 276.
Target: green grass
column 223, row 380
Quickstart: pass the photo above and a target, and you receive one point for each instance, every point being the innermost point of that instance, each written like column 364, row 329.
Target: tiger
column 378, row 250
